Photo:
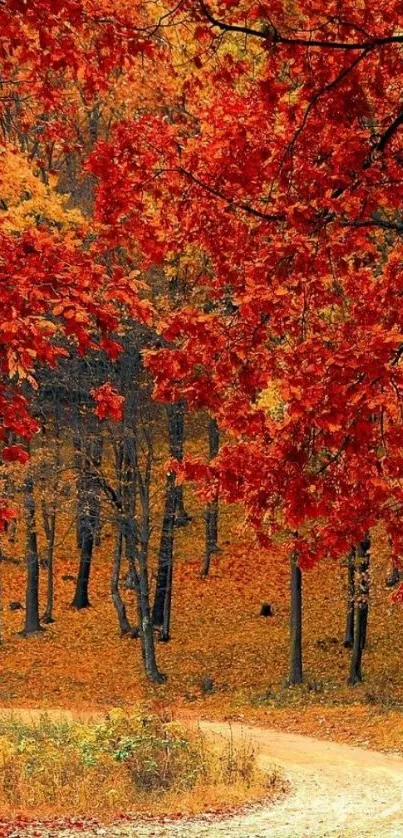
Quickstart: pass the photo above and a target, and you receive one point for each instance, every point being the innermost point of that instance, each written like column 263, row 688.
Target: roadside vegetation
column 137, row 762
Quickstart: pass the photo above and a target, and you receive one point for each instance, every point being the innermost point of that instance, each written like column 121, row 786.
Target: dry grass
column 138, row 762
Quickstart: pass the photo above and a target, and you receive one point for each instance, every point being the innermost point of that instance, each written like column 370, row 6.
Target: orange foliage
column 81, row 662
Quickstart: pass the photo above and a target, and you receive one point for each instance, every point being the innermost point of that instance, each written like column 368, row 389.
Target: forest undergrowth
column 133, row 763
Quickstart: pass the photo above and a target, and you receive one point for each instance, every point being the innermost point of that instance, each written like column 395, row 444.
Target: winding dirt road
column 336, row 792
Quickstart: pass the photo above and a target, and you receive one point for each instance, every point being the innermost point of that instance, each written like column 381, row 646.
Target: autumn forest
column 201, row 379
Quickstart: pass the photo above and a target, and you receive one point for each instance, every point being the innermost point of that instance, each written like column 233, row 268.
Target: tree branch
column 271, row 34
column 231, row 201
column 388, row 134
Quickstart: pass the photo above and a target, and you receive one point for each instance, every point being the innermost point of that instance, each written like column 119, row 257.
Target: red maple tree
column 287, row 181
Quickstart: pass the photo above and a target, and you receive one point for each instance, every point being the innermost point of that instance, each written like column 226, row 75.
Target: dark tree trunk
column 49, row 523
column 81, row 596
column 163, row 591
column 361, row 610
column 79, row 470
column 96, row 450
column 146, row 631
column 89, row 515
column 32, row 621
column 124, row 625
column 129, row 497
column 137, row 546
column 296, row 670
column 349, row 632
column 49, row 515
column 212, row 507
column 176, row 433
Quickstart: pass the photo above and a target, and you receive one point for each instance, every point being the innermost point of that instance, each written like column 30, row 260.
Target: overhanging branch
column 272, row 35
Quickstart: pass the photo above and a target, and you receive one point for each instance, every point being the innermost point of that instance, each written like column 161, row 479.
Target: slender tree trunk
column 296, row 670
column 136, row 483
column 211, row 546
column 49, row 515
column 129, row 496
column 349, row 632
column 144, row 616
column 95, row 448
column 176, row 433
column 32, row 621
column 89, row 513
column 96, row 453
column 163, row 591
column 146, row 630
column 81, row 597
column 79, row 470
column 49, row 522
column 124, row 625
column 361, row 610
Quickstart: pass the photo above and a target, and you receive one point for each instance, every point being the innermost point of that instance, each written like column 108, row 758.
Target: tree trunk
column 296, row 671
column 49, row 522
column 129, row 497
column 361, row 610
column 89, row 515
column 349, row 632
column 211, row 546
column 32, row 621
column 163, row 591
column 144, row 615
column 79, row 469
column 176, row 433
column 124, row 625
column 49, row 515
column 81, row 597
column 96, row 450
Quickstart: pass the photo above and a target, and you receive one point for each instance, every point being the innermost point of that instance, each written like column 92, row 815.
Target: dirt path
column 337, row 792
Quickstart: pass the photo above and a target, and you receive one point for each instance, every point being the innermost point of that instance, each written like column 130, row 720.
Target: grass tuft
column 126, row 762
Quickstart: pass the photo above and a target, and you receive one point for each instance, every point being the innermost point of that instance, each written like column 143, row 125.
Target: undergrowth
column 126, row 762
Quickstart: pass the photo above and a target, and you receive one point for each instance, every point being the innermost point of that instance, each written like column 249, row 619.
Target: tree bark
column 124, row 625
column 129, row 497
column 49, row 516
column 163, row 592
column 81, row 596
column 349, row 632
column 296, row 669
column 96, row 454
column 176, row 433
column 49, row 523
column 32, row 621
column 144, row 615
column 211, row 546
column 79, row 469
column 89, row 513
column 361, row 610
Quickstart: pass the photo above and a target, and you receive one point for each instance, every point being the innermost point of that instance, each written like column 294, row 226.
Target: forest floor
column 224, row 661
column 336, row 791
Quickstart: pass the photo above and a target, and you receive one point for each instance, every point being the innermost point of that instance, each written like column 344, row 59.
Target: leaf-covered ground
column 219, row 642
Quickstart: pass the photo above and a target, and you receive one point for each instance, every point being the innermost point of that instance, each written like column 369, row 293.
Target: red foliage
column 287, row 178
column 109, row 404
